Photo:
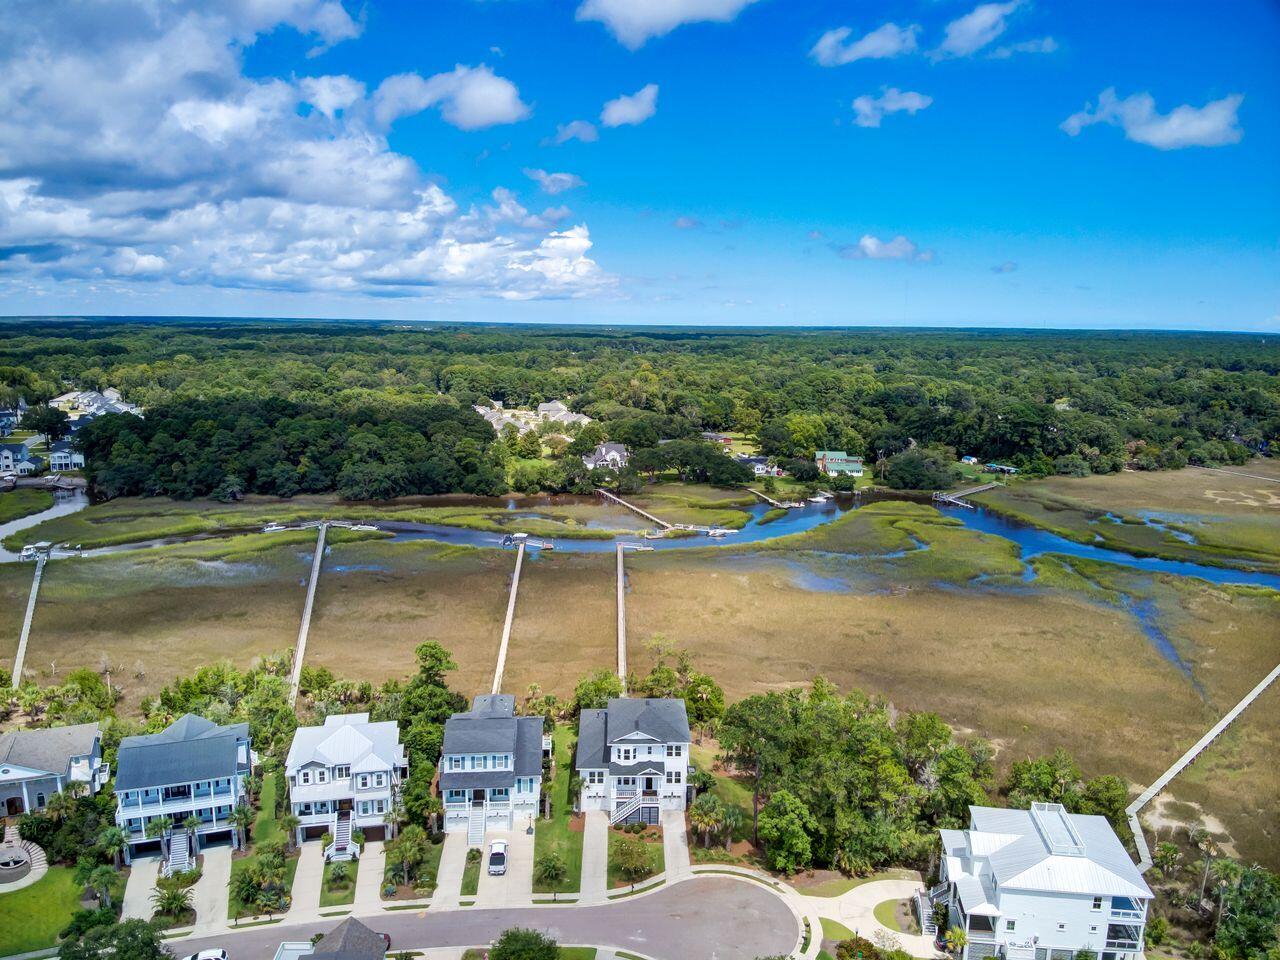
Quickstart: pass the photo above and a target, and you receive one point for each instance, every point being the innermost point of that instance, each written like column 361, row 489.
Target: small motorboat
column 273, row 527
column 654, row 535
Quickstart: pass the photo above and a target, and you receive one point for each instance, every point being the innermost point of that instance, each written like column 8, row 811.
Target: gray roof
column 491, row 726
column 476, row 779
column 49, row 749
column 189, row 749
column 350, row 940
column 666, row 721
column 591, row 754
column 638, row 768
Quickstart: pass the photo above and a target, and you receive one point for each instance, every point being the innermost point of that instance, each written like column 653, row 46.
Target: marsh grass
column 22, row 502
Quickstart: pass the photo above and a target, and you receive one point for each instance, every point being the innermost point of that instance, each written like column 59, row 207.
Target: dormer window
column 342, row 773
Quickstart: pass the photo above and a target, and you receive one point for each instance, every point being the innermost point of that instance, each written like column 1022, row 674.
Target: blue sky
column 768, row 162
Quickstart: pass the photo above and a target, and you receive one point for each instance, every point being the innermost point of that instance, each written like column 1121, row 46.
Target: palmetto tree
column 242, row 820
column 1166, row 857
column 1226, row 874
column 101, row 879
column 289, row 823
column 550, row 870
column 730, row 823
column 957, row 940
column 172, row 901
column 706, row 815
column 75, row 789
column 113, row 840
column 58, row 807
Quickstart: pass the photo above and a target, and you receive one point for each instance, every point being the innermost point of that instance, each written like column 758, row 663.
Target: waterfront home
column 490, row 767
column 633, row 759
column 1039, row 884
column 344, row 776
column 18, row 458
column 836, row 463
column 607, row 456
column 760, row 466
column 971, row 461
column 62, row 456
column 36, row 764
column 349, row 940
column 193, row 770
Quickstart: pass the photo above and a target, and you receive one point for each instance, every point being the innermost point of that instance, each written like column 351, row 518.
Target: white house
column 607, row 456
column 91, row 403
column 62, row 456
column 633, row 758
column 18, row 458
column 1040, row 884
column 194, row 768
column 760, row 466
column 344, row 776
column 490, row 767
column 36, row 764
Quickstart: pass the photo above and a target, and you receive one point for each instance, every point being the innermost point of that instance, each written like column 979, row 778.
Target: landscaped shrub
column 83, row 921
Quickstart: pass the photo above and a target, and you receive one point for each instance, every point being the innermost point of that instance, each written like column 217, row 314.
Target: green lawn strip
column 343, row 894
column 731, row 792
column 32, row 918
column 887, row 913
column 265, row 828
column 823, row 955
column 835, row 930
column 23, row 502
column 842, row 885
column 657, row 860
column 471, row 878
column 555, row 835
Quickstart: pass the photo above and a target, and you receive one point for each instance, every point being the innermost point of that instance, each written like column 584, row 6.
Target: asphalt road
column 706, row 918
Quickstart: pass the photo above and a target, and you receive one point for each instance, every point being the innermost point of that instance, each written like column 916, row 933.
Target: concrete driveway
column 139, row 888
column 309, row 878
column 595, row 858
column 212, row 890
column 856, row 910
column 453, row 861
column 515, row 887
column 707, row 918
column 373, row 865
column 675, row 845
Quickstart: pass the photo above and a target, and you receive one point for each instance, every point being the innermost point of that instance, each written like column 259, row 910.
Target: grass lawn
column 32, row 918
column 835, row 930
column 23, row 502
column 732, row 791
column 657, row 859
column 555, row 835
column 471, row 878
column 842, row 885
column 566, row 953
column 334, row 896
column 265, row 829
column 887, row 913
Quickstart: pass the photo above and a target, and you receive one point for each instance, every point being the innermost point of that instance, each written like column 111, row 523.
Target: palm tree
column 957, row 940
column 58, row 807
column 731, row 822
column 75, row 789
column 549, row 870
column 242, row 820
column 172, row 901
column 434, row 809
column 706, row 815
column 1166, row 857
column 1226, row 874
column 113, row 840
column 101, row 879
column 289, row 823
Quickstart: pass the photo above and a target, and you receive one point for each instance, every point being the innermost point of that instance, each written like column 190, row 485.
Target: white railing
column 624, row 811
column 1127, row 915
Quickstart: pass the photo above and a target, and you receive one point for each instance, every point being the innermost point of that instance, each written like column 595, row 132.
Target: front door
column 13, row 807
column 344, row 804
column 477, row 796
column 648, row 785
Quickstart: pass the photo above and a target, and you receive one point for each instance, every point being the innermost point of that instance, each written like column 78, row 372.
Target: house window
column 380, row 806
column 1097, row 903
column 364, row 808
column 1093, row 929
column 304, row 777
column 1061, row 927
column 673, row 776
column 626, row 753
column 1010, row 924
column 675, row 750
column 456, row 763
column 342, row 773
column 364, row 781
column 40, row 800
column 322, row 776
column 379, row 779
column 595, row 777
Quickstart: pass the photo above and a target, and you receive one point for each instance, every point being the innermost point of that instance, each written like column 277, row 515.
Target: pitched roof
column 189, row 749
column 491, row 726
column 350, row 940
column 591, row 753
column 666, row 721
column 49, row 749
column 348, row 739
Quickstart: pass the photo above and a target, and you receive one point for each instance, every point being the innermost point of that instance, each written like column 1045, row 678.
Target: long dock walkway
column 21, row 655
column 634, row 509
column 766, row 498
column 957, row 499
column 506, row 627
column 300, row 651
column 622, row 619
column 1184, row 761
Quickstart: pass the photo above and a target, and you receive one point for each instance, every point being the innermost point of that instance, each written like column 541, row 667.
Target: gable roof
column 666, row 721
column 491, row 726
column 348, row 739
column 189, row 749
column 350, row 940
column 49, row 749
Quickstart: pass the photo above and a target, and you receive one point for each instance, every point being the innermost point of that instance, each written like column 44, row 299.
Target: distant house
column 837, row 463
column 720, row 438
column 8, row 421
column 490, row 767
column 193, row 768
column 344, row 776
column 549, row 411
column 1040, row 884
column 349, row 940
column 633, row 758
column 607, row 456
column 969, row 460
column 36, row 764
column 761, row 466
column 62, row 456
column 90, row 403
column 18, row 458
column 1001, row 468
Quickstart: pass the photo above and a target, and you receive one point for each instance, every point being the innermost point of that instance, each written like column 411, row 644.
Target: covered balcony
column 1124, row 936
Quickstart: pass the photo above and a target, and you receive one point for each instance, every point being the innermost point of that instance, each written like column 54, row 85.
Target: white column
column 26, row 801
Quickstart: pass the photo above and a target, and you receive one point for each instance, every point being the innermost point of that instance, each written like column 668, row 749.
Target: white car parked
column 497, row 858
column 208, row 955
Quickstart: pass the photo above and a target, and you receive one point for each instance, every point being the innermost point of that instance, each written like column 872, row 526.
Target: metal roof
column 348, row 739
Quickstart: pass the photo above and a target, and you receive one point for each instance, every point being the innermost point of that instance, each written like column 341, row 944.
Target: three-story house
column 633, row 758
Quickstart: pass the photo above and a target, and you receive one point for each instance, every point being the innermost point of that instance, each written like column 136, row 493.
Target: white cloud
column 970, row 33
column 134, row 148
column 687, row 223
column 1038, row 45
column 631, row 110
column 1213, row 125
column 873, row 248
column 582, row 130
column 470, row 98
column 889, row 40
column 554, row 183
column 633, row 22
column 331, row 94
column 870, row 110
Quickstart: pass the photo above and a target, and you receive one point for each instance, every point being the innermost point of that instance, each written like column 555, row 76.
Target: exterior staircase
column 35, row 855
column 625, row 810
column 475, row 826
column 924, row 908
column 179, row 860
column 342, row 848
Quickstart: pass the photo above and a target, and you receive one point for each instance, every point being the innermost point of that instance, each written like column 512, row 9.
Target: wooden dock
column 957, row 499
column 506, row 626
column 634, row 509
column 21, row 655
column 1149, row 794
column 767, row 499
column 300, row 651
column 622, row 619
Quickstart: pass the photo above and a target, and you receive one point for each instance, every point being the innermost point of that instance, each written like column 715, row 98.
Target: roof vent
column 1056, row 829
